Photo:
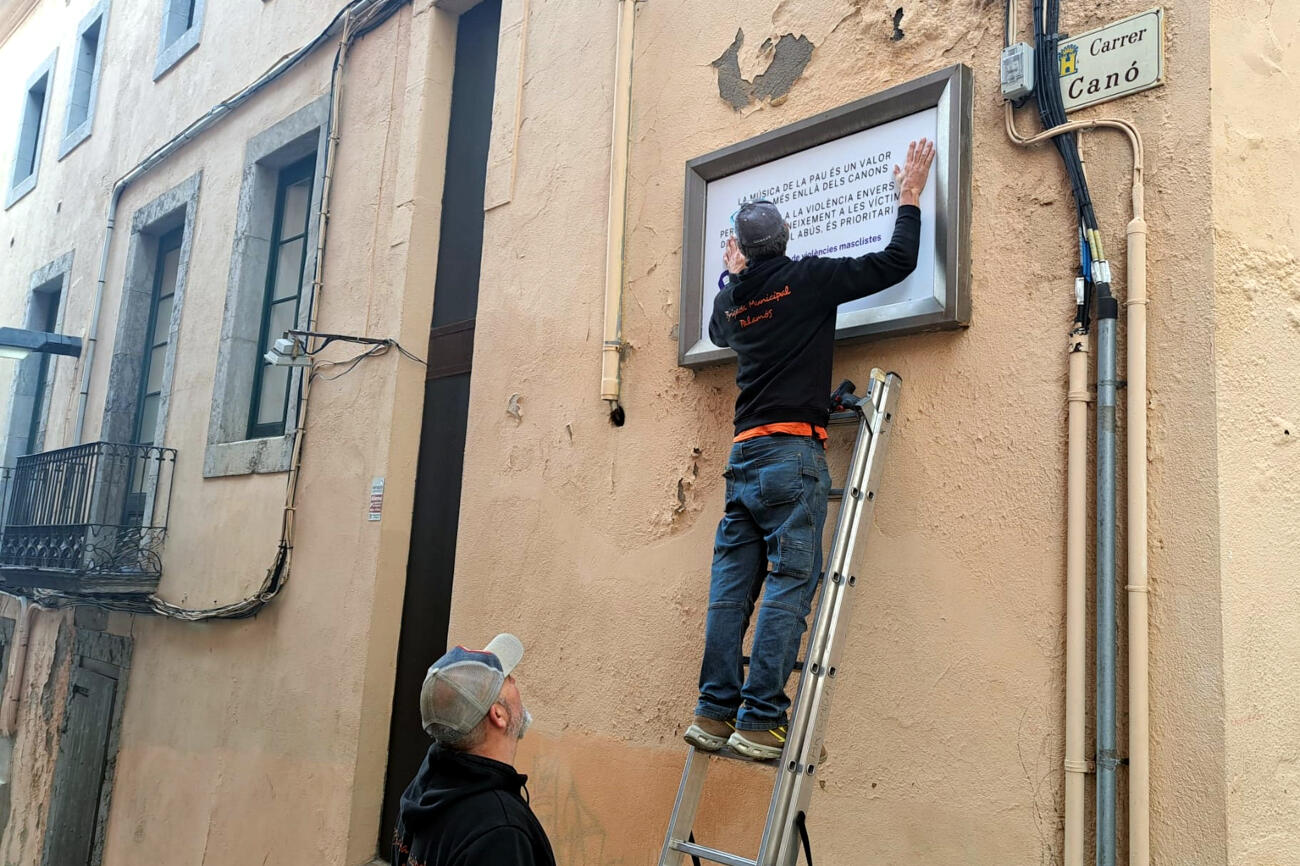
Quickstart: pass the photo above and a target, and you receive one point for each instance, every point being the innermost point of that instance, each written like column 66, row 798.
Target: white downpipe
column 1076, row 600
column 612, row 346
column 1139, row 651
column 17, row 669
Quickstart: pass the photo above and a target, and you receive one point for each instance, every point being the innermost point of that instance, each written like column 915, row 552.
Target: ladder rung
column 843, row 418
column 837, row 493
column 731, row 754
column 713, row 855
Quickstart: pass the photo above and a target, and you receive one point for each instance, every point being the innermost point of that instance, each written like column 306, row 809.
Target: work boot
column 709, row 735
column 759, row 745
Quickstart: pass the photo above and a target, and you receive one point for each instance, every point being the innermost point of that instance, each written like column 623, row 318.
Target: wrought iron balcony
column 90, row 518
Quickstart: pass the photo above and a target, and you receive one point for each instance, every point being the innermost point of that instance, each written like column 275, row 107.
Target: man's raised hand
column 912, row 176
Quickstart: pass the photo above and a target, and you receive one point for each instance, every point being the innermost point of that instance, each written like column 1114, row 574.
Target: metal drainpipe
column 612, row 346
column 1107, row 760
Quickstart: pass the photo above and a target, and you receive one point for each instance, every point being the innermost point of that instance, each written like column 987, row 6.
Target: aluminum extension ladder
column 874, row 414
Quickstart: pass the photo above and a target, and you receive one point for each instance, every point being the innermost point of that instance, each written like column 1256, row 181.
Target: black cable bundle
column 1051, row 110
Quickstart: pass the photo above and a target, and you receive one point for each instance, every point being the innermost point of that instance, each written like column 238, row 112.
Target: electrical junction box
column 1017, row 71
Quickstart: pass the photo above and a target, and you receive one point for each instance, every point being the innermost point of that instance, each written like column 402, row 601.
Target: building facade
column 217, row 660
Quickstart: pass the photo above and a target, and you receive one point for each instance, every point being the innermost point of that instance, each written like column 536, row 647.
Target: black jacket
column 779, row 316
column 464, row 810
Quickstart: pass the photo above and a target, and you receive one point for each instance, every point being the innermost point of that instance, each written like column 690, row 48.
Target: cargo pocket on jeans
column 794, row 555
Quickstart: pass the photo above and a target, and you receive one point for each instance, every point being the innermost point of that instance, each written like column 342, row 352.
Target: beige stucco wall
column 947, row 740
column 1256, row 334
column 263, row 738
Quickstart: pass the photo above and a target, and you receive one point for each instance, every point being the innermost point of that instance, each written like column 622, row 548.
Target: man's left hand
column 733, row 258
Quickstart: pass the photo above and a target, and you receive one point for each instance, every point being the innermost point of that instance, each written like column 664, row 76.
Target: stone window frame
column 177, row 207
column 229, row 452
column 17, row 188
column 57, row 271
column 171, row 51
column 75, row 135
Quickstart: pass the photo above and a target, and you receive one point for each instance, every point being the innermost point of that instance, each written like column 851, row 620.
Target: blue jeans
column 777, row 488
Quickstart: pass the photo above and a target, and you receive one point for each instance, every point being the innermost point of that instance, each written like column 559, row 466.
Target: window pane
column 270, row 408
column 148, row 419
column 294, row 221
column 163, row 323
column 288, row 270
column 27, row 151
column 156, row 358
column 282, row 319
column 170, row 260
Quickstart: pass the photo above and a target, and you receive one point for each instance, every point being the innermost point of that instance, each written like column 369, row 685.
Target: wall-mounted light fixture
column 18, row 343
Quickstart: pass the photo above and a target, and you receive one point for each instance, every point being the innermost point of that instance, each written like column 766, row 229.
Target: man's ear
column 498, row 717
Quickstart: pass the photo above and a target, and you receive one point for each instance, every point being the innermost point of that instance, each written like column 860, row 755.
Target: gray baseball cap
column 757, row 223
column 461, row 687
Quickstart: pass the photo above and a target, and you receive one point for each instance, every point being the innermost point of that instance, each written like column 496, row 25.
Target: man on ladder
column 779, row 317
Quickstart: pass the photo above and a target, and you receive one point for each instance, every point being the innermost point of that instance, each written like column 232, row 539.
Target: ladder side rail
column 685, row 807
column 835, row 564
column 785, row 845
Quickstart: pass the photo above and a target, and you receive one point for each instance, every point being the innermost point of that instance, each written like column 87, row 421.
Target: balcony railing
column 90, row 518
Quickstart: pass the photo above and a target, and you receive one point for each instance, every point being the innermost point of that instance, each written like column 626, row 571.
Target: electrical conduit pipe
column 1076, row 560
column 1139, row 652
column 612, row 346
column 1137, row 589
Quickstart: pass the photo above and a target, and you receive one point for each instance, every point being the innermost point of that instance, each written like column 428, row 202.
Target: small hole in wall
column 1287, row 432
column 898, row 19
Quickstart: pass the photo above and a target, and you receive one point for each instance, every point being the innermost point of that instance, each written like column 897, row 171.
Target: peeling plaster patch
column 686, row 483
column 898, row 19
column 512, row 408
column 790, row 57
column 731, row 87
column 788, row 63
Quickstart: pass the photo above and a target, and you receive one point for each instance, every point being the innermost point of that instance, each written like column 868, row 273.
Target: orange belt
column 794, row 428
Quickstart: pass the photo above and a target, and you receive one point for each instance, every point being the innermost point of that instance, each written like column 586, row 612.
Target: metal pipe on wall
column 611, row 352
column 1107, row 758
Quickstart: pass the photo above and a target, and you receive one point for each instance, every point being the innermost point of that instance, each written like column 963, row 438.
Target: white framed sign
column 832, row 178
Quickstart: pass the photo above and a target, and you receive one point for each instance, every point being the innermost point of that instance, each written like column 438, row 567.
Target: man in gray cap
column 779, row 316
column 468, row 806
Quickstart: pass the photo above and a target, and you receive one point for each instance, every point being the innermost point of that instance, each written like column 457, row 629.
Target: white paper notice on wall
column 376, row 499
column 840, row 199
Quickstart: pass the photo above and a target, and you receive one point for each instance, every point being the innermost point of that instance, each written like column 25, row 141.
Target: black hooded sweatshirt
column 779, row 316
column 465, row 810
